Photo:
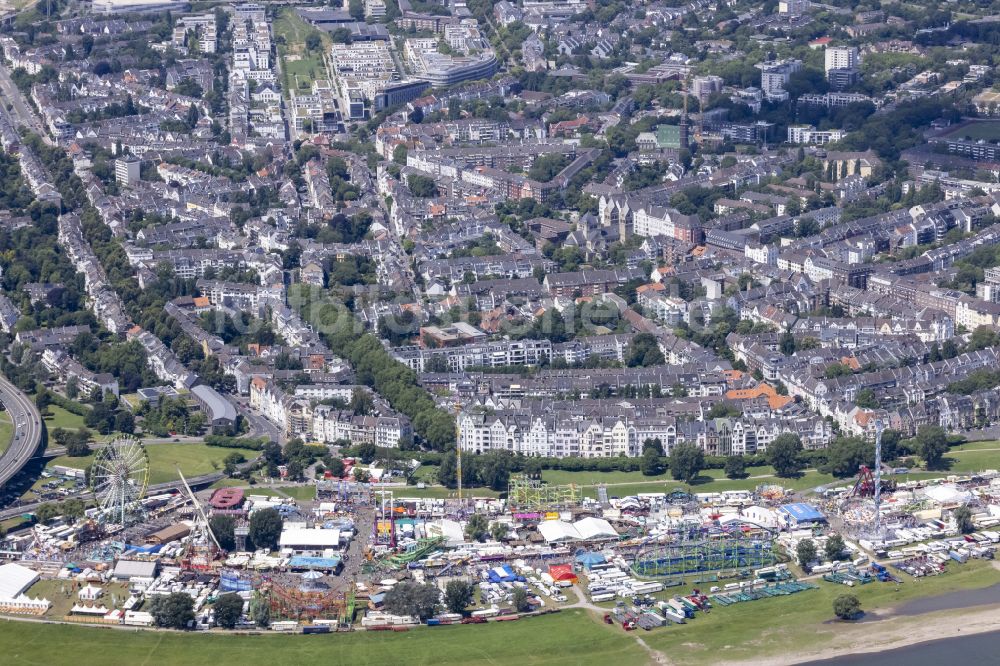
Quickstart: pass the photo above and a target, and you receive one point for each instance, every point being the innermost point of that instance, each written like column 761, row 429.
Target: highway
column 27, row 430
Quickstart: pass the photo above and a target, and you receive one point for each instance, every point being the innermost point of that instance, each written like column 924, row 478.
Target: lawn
column 300, row 493
column 751, row 630
column 969, row 457
column 193, row 459
column 299, row 66
column 6, row 431
column 983, row 129
column 58, row 417
column 63, row 595
column 564, row 638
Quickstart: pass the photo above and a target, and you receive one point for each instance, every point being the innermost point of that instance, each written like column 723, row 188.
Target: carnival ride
column 865, row 485
column 303, row 597
column 697, row 548
column 309, row 598
column 422, row 549
column 527, row 494
column 119, row 477
column 861, row 509
column 203, row 549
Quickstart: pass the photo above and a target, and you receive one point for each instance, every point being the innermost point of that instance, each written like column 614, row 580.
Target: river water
column 975, row 650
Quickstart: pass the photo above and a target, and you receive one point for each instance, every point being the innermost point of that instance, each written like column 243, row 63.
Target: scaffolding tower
column 527, row 494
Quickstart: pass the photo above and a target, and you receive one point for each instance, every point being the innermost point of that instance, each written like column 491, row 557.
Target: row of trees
column 423, row 601
column 374, row 366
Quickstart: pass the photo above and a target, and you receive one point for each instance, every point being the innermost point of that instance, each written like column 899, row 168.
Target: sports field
column 569, row 637
column 987, row 130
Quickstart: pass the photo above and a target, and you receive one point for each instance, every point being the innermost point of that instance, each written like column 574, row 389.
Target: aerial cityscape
column 499, row 332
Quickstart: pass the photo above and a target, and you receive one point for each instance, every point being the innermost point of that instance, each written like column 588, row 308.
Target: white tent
column 90, row 593
column 15, row 579
column 556, row 530
column 594, row 528
column 449, row 529
column 948, row 494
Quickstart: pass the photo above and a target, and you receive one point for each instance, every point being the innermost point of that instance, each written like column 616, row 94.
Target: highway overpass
column 27, row 435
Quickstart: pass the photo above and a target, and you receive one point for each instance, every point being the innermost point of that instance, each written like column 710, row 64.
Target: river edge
column 890, row 632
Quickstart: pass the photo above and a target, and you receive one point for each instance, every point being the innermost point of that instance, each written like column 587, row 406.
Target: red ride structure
column 865, row 485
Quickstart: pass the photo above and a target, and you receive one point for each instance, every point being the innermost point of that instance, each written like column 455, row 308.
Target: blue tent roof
column 589, row 559
column 302, row 562
column 803, row 512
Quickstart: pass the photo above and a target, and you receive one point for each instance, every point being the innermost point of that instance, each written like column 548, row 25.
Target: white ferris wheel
column 119, row 476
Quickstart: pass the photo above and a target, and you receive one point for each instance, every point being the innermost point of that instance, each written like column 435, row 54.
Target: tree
column 399, row 154
column 520, row 600
column 335, row 466
column 420, row 601
column 224, row 529
column 356, row 9
column 46, row 513
column 963, row 520
column 644, row 351
column 231, row 463
column 866, row 399
column 652, row 463
column 787, row 343
column 654, row 444
column 265, row 528
column 367, row 452
column 686, row 461
column 499, row 531
column 834, row 548
column 42, row 400
column 476, row 528
column 457, row 595
column 932, row 444
column 313, row 42
column 422, row 187
column 228, row 610
column 805, row 552
column 784, row 454
column 846, row 455
column 736, row 467
column 175, row 611
column 846, row 606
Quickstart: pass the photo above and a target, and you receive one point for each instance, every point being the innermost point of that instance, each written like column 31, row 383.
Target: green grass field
column 969, row 457
column 63, row 595
column 755, row 629
column 6, row 431
column 193, row 459
column 58, row 417
column 299, row 66
column 987, row 130
column 301, row 493
column 565, row 638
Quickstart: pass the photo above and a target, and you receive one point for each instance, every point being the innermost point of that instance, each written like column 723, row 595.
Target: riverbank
column 891, row 632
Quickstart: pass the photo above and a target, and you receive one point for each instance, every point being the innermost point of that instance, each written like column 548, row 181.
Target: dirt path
column 655, row 656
